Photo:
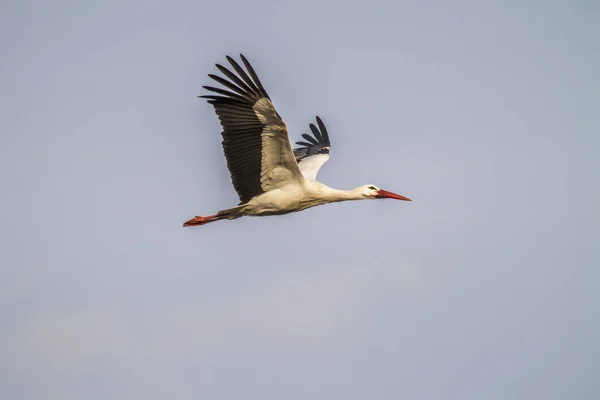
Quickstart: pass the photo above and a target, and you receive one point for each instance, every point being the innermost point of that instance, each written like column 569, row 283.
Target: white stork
column 269, row 177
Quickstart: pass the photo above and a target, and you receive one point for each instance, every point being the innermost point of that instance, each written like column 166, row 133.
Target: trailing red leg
column 197, row 220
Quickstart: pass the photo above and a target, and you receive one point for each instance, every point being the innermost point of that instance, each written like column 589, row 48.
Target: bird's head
column 373, row 192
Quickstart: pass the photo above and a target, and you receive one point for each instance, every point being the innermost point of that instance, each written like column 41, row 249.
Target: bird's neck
column 342, row 195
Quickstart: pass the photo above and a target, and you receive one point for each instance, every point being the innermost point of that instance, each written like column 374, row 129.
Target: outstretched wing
column 314, row 152
column 255, row 139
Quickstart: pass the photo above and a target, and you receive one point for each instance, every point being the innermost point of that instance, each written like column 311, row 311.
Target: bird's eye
column 372, row 188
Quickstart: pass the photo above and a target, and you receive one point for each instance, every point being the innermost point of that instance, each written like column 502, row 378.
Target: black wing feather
column 226, row 83
column 316, row 132
column 310, row 138
column 242, row 74
column 234, row 78
column 242, row 142
column 261, row 89
column 315, row 145
column 227, row 93
column 323, row 130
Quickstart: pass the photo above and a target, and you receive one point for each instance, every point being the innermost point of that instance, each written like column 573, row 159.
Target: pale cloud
column 293, row 310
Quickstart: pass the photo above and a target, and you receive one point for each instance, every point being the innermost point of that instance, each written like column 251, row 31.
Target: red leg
column 197, row 220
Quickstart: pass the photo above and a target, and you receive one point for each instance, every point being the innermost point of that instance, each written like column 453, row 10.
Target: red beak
column 384, row 194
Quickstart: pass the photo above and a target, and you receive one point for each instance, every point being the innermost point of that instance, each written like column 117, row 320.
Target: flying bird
column 269, row 176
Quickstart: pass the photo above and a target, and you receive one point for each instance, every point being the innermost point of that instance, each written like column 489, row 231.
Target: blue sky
column 484, row 287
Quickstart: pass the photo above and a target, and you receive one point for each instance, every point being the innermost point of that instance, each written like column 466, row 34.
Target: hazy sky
column 486, row 286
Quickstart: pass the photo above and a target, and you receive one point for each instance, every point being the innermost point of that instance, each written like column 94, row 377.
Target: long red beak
column 384, row 194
